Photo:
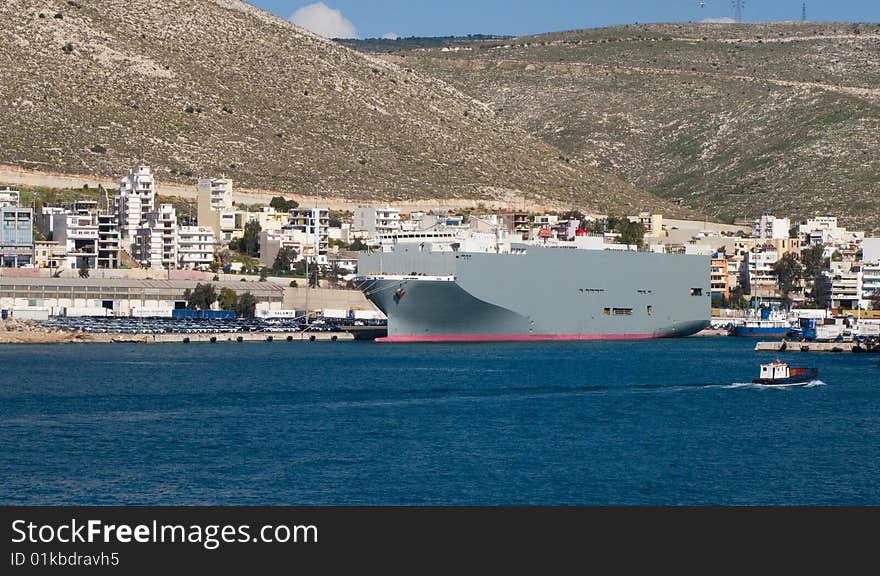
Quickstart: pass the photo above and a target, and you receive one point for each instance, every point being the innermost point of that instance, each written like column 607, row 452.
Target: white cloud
column 718, row 21
column 325, row 21
column 390, row 36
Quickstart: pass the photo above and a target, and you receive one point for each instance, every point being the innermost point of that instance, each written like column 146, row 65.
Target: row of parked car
column 128, row 325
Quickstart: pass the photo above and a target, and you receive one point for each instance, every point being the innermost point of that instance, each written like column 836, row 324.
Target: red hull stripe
column 512, row 337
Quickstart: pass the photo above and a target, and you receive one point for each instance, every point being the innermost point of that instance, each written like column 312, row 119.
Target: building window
column 696, row 291
column 650, row 310
column 608, row 311
column 623, row 311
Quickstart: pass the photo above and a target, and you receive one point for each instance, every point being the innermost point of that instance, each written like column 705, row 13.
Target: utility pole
column 738, row 9
column 804, row 12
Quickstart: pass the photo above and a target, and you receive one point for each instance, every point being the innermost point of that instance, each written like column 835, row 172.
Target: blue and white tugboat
column 781, row 374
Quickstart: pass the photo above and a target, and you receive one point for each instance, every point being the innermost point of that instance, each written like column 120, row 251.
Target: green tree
column 284, row 260
column 573, row 215
column 813, row 261
column 281, row 204
column 357, row 246
column 335, row 273
column 788, row 272
column 250, row 242
column 228, row 299
column 84, row 269
column 246, row 306
column 738, row 298
column 819, row 292
column 631, row 232
column 201, row 297
column 264, row 273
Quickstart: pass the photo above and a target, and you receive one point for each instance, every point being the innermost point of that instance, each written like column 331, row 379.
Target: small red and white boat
column 781, row 374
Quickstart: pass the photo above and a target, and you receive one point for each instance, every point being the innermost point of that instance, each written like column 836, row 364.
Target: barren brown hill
column 197, row 88
column 730, row 119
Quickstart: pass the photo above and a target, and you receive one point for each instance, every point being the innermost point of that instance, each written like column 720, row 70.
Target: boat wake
column 810, row 384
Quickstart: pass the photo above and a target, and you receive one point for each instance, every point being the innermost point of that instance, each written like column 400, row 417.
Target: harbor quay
column 836, row 347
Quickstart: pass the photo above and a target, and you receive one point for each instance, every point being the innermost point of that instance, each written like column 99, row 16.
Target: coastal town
column 128, row 253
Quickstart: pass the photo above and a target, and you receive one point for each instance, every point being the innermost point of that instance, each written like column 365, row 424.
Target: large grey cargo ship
column 536, row 293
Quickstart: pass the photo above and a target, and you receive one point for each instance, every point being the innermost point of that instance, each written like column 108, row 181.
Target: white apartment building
column 820, row 230
column 759, row 274
column 155, row 244
column 846, row 290
column 870, row 282
column 134, row 199
column 769, row 227
column 78, row 235
column 315, row 224
column 546, row 220
column 195, row 246
column 376, row 220
column 9, row 196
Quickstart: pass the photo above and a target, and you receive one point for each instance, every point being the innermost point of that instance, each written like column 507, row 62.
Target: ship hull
column 541, row 295
column 751, row 332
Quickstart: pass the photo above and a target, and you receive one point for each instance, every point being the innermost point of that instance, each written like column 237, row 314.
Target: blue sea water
column 666, row 422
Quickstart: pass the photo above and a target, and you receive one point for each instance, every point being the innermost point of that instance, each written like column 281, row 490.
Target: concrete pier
column 786, row 346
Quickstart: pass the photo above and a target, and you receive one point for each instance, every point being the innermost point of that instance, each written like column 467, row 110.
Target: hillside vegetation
column 730, row 120
column 199, row 88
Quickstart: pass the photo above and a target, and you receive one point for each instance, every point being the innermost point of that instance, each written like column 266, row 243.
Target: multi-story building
column 109, row 240
column 519, row 223
column 871, row 250
column 759, row 274
column 16, row 236
column 134, row 199
column 376, row 220
column 718, row 277
column 769, row 227
column 820, row 230
column 315, row 224
column 270, row 219
column 870, row 284
column 846, row 290
column 9, row 196
column 653, row 224
column 215, row 201
column 195, row 246
column 78, row 234
column 546, row 220
column 49, row 254
column 155, row 243
column 272, row 241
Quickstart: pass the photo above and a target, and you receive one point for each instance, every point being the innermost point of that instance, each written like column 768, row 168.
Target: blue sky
column 375, row 18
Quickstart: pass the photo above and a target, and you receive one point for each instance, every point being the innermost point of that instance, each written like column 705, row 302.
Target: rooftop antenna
column 738, row 9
